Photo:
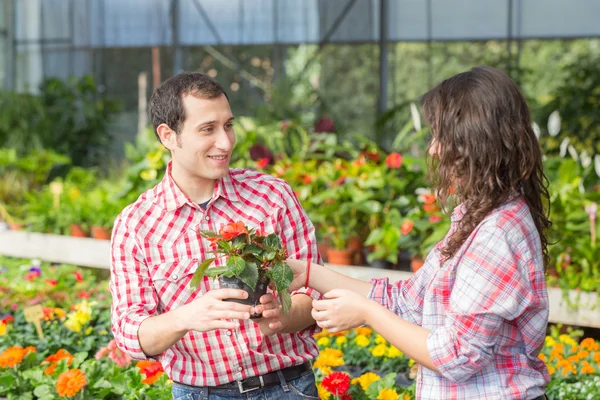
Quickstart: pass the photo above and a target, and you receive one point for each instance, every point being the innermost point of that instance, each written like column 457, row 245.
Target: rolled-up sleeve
column 133, row 295
column 298, row 234
column 403, row 298
column 492, row 287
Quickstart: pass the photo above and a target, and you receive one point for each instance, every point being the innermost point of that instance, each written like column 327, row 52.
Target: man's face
column 203, row 148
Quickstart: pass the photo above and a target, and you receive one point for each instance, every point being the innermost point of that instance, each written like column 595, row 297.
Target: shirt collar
column 458, row 212
column 172, row 197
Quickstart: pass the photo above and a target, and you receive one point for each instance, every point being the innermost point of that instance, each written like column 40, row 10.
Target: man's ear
column 167, row 136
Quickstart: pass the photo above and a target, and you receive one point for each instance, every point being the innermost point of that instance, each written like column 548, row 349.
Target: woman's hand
column 341, row 310
column 299, row 268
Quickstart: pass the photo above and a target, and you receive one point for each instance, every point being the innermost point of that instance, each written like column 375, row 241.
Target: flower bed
column 79, row 359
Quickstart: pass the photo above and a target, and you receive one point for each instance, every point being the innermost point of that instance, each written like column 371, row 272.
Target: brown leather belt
column 269, row 379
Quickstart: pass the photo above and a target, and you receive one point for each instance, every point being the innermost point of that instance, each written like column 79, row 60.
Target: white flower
column 597, row 164
column 586, row 160
column 414, row 112
column 554, row 123
column 573, row 153
column 536, row 130
column 563, row 146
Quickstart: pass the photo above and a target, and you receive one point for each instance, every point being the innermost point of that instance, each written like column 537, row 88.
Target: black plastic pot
column 253, row 295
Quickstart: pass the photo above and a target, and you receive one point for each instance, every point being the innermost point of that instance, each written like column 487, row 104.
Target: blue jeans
column 302, row 388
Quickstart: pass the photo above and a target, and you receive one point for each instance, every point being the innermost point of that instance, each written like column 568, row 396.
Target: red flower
column 324, row 124
column 78, row 276
column 31, row 276
column 372, row 155
column 428, row 198
column 435, row 219
column 430, row 208
column 232, row 230
column 262, row 162
column 337, row 383
column 151, row 369
column 51, row 282
column 7, row 319
column 360, row 161
column 394, row 160
column 407, row 227
column 307, row 179
column 340, row 180
column 84, row 294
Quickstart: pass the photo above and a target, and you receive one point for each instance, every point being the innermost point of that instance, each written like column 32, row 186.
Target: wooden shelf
column 96, row 253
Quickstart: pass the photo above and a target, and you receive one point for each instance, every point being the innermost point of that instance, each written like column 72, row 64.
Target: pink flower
column 324, row 124
column 435, row 219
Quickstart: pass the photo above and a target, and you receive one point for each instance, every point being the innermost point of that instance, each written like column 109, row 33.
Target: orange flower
column 542, row 357
column 590, row 344
column 586, row 368
column 152, row 370
column 232, row 230
column 394, row 160
column 69, row 383
column 14, row 355
column 363, row 330
column 407, row 227
column 583, row 354
column 55, row 358
column 430, row 208
column 597, row 358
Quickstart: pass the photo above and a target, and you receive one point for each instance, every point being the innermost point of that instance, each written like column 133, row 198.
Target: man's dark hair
column 166, row 103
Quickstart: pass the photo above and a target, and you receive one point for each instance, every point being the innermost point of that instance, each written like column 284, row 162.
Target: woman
column 475, row 315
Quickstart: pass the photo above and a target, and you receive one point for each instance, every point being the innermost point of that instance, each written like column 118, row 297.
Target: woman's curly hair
column 486, row 150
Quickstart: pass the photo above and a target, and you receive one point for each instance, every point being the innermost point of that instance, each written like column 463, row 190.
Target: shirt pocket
column 171, row 281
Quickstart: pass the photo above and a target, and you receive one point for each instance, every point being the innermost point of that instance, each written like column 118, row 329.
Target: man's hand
column 271, row 321
column 299, row 268
column 209, row 312
column 341, row 310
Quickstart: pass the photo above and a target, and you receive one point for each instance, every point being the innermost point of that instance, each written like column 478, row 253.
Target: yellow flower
column 379, row 351
column 550, row 341
column 406, row 397
column 411, row 362
column 329, row 358
column 323, row 393
column 393, row 352
column 103, row 332
column 362, row 341
column 332, row 352
column 60, row 313
column 325, row 370
column 366, row 380
column 323, row 342
column 2, row 329
column 89, row 330
column 380, row 339
column 388, row 394
column 566, row 339
column 341, row 340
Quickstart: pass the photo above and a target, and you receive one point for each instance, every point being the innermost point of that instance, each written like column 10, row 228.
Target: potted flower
column 252, row 260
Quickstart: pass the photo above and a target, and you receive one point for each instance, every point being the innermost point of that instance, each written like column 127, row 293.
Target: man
column 208, row 347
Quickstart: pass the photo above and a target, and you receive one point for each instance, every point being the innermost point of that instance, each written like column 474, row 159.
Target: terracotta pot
column 356, row 244
column 340, row 257
column 100, row 233
column 253, row 295
column 77, row 231
column 416, row 263
column 15, row 226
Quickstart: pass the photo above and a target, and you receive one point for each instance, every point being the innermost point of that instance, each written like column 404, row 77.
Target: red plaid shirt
column 486, row 308
column 155, row 251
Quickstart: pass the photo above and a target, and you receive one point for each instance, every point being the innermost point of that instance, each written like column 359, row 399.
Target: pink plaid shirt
column 155, row 251
column 486, row 308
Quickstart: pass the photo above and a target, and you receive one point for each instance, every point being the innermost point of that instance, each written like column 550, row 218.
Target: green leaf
column 79, row 358
column 6, row 382
column 209, row 234
column 199, row 274
column 282, row 275
column 41, row 391
column 254, row 250
column 286, row 301
column 215, row 272
column 249, row 275
column 236, row 265
column 273, row 241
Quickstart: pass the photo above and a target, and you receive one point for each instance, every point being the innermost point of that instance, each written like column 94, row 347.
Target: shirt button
column 175, row 276
column 240, row 369
column 228, row 333
column 207, row 218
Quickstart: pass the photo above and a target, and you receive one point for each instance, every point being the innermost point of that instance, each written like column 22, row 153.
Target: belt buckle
column 252, row 389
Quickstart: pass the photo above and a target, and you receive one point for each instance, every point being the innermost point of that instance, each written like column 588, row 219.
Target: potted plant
column 383, row 242
column 252, row 260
